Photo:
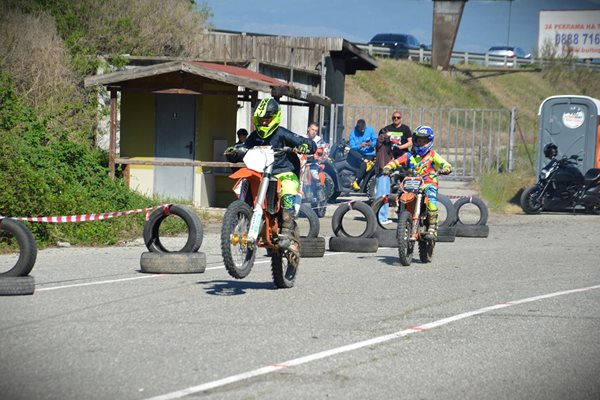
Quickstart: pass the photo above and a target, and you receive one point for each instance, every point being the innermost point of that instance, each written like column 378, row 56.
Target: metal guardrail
column 457, row 57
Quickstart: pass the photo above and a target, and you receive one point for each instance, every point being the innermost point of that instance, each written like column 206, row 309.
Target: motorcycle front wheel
column 238, row 254
column 530, row 200
column 284, row 274
column 405, row 245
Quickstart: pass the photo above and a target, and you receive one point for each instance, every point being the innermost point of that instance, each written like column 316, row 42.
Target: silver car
column 506, row 51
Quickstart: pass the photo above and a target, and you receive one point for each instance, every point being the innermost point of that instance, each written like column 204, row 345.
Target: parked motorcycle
column 255, row 219
column 561, row 185
column 342, row 169
column 413, row 222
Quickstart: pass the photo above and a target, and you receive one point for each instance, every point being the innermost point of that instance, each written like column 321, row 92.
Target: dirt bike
column 413, row 221
column 311, row 192
column 254, row 220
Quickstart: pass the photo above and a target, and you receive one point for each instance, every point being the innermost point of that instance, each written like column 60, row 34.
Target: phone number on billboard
column 576, row 38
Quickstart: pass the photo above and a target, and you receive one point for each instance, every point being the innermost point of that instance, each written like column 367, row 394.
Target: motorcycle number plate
column 411, row 185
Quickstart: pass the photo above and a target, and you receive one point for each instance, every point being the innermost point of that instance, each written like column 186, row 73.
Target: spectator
column 392, row 141
column 362, row 146
column 242, row 135
column 312, row 132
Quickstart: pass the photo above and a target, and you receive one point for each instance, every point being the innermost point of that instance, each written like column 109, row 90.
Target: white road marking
column 138, row 277
column 358, row 345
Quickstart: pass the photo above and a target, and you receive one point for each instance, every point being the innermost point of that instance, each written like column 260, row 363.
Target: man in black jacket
column 286, row 168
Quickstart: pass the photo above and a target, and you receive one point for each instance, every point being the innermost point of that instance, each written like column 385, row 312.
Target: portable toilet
column 572, row 123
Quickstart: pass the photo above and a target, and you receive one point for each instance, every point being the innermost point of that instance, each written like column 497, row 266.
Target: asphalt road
column 469, row 325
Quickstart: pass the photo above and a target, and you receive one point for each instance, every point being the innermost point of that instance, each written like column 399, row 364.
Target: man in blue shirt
column 362, row 146
column 363, row 139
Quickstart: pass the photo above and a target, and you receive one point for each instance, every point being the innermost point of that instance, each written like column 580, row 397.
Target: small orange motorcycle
column 254, row 220
column 412, row 221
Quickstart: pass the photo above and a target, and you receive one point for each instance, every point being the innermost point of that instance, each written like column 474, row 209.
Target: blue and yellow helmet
column 267, row 117
column 423, row 131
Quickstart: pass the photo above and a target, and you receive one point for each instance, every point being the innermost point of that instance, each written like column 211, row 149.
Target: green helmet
column 267, row 117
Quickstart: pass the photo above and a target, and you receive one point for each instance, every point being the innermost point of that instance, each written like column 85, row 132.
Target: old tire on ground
column 314, row 225
column 16, row 285
column 476, row 201
column 386, row 237
column 472, row 231
column 10, row 231
column 392, row 201
column 312, row 247
column 446, row 234
column 337, row 219
column 450, row 207
column 158, row 216
column 173, row 263
column 353, row 245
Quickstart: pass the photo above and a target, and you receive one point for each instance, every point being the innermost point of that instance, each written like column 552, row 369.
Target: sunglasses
column 396, row 117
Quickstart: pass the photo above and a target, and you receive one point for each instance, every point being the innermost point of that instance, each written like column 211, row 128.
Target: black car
column 399, row 43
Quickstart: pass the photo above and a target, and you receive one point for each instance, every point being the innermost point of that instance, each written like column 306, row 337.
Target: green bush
column 45, row 174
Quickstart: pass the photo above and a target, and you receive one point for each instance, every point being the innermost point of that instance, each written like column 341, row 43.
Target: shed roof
column 184, row 74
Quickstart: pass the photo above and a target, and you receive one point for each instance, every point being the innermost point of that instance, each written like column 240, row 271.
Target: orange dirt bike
column 254, row 220
column 413, row 222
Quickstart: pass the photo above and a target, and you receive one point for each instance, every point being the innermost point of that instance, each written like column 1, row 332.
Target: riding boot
column 288, row 237
column 432, row 221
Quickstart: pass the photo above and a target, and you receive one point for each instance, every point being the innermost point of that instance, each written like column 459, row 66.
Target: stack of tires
column 162, row 258
column 16, row 266
column 347, row 238
column 471, row 217
column 311, row 244
column 386, row 234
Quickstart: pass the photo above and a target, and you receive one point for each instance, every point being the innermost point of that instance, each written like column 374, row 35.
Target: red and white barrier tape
column 92, row 217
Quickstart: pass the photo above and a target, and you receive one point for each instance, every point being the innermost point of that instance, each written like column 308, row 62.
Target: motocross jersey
column 282, row 137
column 425, row 166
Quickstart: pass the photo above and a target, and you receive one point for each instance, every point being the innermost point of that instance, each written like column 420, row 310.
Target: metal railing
column 474, row 141
column 458, row 57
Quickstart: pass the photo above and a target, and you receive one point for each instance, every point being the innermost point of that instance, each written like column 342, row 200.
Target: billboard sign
column 574, row 32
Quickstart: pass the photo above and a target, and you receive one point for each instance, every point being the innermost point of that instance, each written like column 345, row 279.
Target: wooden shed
column 176, row 119
column 177, row 116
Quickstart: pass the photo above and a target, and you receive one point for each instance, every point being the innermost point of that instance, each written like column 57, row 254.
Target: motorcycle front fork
column 414, row 233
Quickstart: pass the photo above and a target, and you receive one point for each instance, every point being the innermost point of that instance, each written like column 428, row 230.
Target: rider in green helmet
column 267, row 120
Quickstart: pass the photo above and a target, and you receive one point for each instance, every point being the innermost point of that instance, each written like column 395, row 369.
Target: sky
column 484, row 23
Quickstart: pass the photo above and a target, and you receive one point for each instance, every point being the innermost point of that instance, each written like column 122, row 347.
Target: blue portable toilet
column 572, row 123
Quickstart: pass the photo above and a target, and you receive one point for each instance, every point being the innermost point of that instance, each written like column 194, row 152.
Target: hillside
column 406, row 83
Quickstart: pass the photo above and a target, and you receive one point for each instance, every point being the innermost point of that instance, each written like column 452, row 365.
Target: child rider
column 423, row 161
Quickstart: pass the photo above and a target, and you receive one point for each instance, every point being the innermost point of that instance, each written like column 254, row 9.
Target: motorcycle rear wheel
column 405, row 245
column 237, row 256
column 426, row 250
column 284, row 274
column 528, row 202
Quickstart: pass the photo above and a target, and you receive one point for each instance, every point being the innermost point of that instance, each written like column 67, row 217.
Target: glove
column 302, row 149
column 229, row 150
column 386, row 171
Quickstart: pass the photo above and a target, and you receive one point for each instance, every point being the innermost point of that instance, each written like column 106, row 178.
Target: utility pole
column 508, row 33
